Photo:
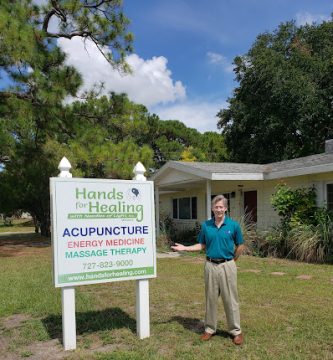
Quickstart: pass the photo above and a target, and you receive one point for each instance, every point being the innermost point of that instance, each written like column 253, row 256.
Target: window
column 184, row 208
column 329, row 191
column 194, row 207
column 175, row 208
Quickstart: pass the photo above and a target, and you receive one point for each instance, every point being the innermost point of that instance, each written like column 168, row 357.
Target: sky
column 183, row 52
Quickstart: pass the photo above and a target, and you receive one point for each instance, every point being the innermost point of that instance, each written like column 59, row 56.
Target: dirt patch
column 278, row 273
column 12, row 348
column 14, row 321
column 22, row 244
column 172, row 254
column 304, row 277
column 51, row 350
column 194, row 259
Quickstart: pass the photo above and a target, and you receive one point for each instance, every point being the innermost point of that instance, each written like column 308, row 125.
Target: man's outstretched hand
column 178, row 247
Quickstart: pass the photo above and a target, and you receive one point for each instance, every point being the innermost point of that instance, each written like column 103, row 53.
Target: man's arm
column 195, row 247
column 238, row 251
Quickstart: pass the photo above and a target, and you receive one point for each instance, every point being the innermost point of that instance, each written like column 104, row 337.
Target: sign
column 103, row 230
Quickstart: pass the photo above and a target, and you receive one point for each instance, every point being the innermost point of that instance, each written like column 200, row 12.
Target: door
column 250, row 205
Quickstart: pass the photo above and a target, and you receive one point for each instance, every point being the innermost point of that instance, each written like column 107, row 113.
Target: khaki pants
column 221, row 279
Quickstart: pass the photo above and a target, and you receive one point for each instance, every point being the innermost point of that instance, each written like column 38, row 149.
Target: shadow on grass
column 91, row 321
column 29, row 239
column 191, row 324
column 196, row 325
column 16, row 244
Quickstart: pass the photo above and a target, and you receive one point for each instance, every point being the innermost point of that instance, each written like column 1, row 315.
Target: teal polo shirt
column 220, row 242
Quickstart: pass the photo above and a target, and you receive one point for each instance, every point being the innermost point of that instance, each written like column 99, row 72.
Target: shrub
column 305, row 244
column 295, row 205
column 252, row 239
column 169, row 234
column 166, row 234
column 269, row 243
column 305, row 232
column 163, row 241
column 188, row 235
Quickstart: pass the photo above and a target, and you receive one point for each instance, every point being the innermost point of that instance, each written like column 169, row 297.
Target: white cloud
column 200, row 115
column 150, row 83
column 215, row 58
column 303, row 18
column 220, row 60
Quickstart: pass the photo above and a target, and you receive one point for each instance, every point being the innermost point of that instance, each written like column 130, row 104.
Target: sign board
column 102, row 230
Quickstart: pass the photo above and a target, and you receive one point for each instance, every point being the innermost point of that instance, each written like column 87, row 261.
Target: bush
column 169, row 235
column 313, row 242
column 305, row 244
column 163, row 241
column 268, row 244
column 188, row 236
column 166, row 234
column 295, row 205
column 252, row 238
column 305, row 232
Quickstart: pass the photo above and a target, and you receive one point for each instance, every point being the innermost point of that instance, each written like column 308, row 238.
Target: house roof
column 312, row 164
column 223, row 167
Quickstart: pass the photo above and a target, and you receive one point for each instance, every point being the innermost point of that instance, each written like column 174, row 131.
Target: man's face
column 219, row 209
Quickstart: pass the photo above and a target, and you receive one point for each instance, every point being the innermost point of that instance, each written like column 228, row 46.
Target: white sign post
column 67, row 293
column 142, row 286
column 102, row 231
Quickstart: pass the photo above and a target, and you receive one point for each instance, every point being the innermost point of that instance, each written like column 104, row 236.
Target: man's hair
column 218, row 198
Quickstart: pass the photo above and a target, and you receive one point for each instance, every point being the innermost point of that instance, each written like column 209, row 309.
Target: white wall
column 166, row 208
column 266, row 215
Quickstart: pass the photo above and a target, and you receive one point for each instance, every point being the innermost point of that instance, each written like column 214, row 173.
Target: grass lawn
column 283, row 317
column 18, row 225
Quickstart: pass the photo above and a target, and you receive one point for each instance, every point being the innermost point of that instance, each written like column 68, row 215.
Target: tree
column 105, row 136
column 102, row 136
column 37, row 81
column 282, row 108
column 116, row 121
column 121, row 118
column 213, row 146
column 172, row 140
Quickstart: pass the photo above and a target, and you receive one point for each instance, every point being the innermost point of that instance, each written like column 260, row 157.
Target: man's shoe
column 238, row 339
column 206, row 336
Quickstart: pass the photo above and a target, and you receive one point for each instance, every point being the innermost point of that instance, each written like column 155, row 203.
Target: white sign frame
column 61, row 196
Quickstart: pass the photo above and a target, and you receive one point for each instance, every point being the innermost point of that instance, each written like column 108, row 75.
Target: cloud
column 215, row 58
column 303, row 18
column 149, row 84
column 200, row 115
column 220, row 60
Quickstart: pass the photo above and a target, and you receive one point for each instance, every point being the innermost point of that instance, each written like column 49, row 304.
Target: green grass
column 282, row 317
column 17, row 225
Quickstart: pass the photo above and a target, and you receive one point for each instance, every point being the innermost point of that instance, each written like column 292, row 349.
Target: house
column 183, row 190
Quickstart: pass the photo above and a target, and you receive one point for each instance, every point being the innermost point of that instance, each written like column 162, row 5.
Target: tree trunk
column 45, row 226
column 36, row 224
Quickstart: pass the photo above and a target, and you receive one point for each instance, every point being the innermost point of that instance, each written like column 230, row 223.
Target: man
column 222, row 239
